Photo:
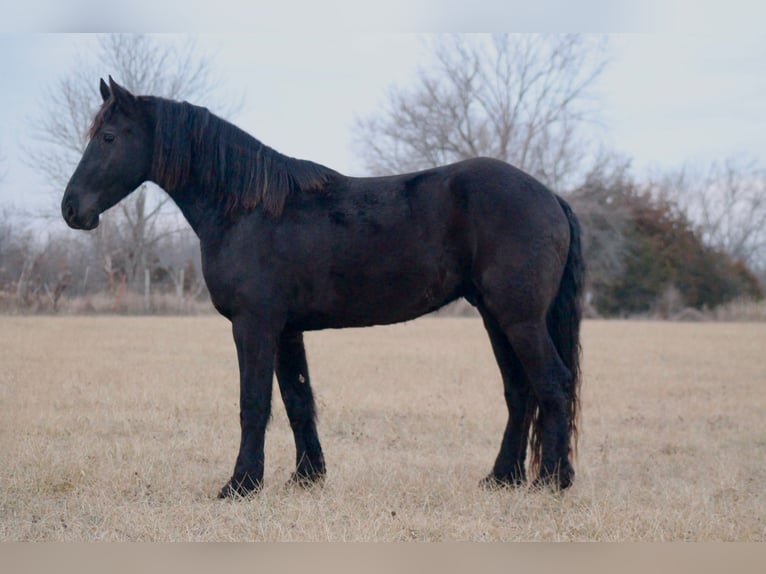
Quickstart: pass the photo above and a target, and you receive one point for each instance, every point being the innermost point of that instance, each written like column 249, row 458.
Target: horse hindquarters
column 531, row 307
column 535, row 381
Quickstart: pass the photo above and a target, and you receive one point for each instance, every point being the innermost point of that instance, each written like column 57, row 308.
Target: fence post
column 147, row 290
column 180, row 291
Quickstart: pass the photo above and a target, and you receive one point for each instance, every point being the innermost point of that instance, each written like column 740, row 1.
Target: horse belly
column 377, row 295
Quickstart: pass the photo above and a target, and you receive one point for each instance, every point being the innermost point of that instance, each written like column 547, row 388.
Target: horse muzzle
column 75, row 216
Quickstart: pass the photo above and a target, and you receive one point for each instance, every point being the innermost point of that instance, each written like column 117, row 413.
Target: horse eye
column 108, row 137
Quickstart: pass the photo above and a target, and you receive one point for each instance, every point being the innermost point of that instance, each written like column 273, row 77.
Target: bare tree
column 727, row 202
column 520, row 98
column 145, row 65
column 601, row 203
column 6, row 241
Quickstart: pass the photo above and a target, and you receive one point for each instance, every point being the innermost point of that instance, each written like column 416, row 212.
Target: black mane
column 231, row 164
column 242, row 172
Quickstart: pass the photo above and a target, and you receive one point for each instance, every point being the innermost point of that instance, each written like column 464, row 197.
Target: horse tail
column 563, row 322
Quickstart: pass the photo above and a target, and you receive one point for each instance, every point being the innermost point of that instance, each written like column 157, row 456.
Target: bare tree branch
column 520, row 98
column 727, row 202
column 600, row 203
column 145, row 65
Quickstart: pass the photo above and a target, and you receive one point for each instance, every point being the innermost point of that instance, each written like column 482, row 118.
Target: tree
column 664, row 252
column 644, row 254
column 602, row 205
column 7, row 237
column 141, row 63
column 145, row 65
column 727, row 203
column 519, row 98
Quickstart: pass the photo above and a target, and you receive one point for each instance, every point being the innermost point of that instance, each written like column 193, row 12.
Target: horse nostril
column 67, row 210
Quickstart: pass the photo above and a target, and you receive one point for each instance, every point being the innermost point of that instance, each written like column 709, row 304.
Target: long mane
column 228, row 162
column 191, row 143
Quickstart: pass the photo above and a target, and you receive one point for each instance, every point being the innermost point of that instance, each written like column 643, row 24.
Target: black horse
column 290, row 246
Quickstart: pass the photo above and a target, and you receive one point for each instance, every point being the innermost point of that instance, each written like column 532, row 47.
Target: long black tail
column 563, row 321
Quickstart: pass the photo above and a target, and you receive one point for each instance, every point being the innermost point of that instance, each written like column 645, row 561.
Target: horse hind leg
column 549, row 378
column 509, row 468
column 295, row 387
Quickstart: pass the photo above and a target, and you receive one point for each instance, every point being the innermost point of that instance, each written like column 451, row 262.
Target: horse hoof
column 559, row 479
column 238, row 489
column 306, row 480
column 495, row 482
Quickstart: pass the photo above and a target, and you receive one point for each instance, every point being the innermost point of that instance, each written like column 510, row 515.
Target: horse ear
column 122, row 96
column 104, row 89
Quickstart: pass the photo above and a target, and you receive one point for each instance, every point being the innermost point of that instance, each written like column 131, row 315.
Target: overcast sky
column 667, row 97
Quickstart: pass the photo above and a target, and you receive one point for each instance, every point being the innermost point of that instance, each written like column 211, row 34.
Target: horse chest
column 224, row 276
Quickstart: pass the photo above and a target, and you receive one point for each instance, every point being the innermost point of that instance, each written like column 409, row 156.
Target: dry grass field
column 120, row 428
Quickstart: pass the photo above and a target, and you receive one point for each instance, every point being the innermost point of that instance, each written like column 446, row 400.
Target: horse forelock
column 101, row 116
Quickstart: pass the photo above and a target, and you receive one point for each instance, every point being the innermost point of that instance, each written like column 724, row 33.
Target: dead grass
column 123, row 428
column 740, row 310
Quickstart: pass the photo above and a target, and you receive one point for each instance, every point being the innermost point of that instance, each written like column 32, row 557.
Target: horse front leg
column 295, row 386
column 256, row 346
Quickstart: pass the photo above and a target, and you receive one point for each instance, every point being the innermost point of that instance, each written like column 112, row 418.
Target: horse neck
column 202, row 212
column 170, row 169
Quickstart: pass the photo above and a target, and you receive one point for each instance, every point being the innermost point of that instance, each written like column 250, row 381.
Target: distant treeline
column 645, row 258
